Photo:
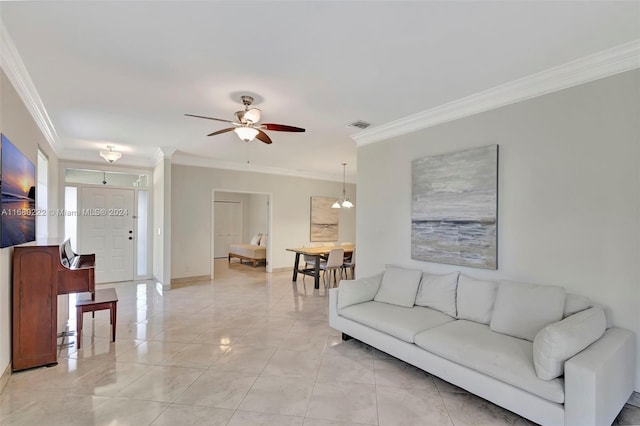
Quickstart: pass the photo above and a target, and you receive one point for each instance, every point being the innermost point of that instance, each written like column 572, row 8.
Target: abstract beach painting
column 454, row 213
column 324, row 219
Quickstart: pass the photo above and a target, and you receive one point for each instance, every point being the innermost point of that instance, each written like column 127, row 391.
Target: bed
column 255, row 253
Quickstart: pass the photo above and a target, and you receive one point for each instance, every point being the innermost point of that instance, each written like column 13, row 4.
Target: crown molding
column 624, row 57
column 12, row 64
column 183, row 159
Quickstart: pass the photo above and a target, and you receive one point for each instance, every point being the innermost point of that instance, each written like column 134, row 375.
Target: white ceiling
column 124, row 73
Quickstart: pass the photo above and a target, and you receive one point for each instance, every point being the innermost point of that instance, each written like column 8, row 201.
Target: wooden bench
column 106, row 298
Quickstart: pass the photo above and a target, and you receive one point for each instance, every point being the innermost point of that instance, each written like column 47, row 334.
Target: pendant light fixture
column 343, row 202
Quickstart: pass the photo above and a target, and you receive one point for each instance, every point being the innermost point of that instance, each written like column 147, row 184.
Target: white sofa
column 546, row 355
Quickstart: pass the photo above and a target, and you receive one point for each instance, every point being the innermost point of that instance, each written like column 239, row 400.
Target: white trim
column 188, row 160
column 17, row 73
column 624, row 57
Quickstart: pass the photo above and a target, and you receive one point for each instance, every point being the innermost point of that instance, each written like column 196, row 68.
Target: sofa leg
column 346, row 337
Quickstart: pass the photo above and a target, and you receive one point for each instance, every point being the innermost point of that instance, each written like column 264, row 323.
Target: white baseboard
column 4, row 379
column 190, row 279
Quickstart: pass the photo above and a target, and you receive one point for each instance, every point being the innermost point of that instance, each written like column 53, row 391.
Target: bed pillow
column 399, row 286
column 522, row 310
column 438, row 292
column 475, row 299
column 263, row 241
column 255, row 240
column 559, row 341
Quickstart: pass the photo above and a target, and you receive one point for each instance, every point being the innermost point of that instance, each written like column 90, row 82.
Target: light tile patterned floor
column 248, row 348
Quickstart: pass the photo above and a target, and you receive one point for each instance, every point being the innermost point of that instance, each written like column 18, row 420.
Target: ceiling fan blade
column 281, row 127
column 263, row 137
column 209, row 118
column 221, row 131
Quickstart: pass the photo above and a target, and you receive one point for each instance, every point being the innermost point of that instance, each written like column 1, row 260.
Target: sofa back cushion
column 353, row 292
column 559, row 341
column 438, row 292
column 399, row 286
column 475, row 299
column 522, row 310
column 574, row 303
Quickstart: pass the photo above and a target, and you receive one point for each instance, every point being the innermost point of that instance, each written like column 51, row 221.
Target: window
column 71, row 215
column 42, row 204
column 143, row 206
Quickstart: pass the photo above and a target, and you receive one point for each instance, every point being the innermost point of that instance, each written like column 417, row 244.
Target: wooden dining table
column 318, row 252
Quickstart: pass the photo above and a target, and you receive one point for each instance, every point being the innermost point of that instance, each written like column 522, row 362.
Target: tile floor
column 248, row 348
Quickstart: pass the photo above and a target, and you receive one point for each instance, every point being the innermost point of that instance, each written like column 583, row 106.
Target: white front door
column 227, row 217
column 106, row 229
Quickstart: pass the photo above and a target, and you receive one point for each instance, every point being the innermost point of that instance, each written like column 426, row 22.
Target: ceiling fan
column 246, row 125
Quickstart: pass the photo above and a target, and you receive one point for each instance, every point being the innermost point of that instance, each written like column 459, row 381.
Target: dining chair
column 334, row 263
column 347, row 256
column 350, row 263
column 309, row 259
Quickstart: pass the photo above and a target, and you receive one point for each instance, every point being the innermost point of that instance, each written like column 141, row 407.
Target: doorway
column 241, row 214
column 227, row 226
column 107, row 229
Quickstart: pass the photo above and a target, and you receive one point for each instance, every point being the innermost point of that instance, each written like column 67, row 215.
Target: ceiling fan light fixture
column 247, row 134
column 110, row 156
column 253, row 115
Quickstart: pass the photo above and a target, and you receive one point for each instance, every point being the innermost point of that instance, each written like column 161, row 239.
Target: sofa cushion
column 502, row 357
column 352, row 292
column 399, row 286
column 438, row 292
column 574, row 303
column 475, row 299
column 400, row 322
column 522, row 310
column 558, row 342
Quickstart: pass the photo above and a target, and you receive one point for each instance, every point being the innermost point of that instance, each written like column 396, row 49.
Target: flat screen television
column 18, row 196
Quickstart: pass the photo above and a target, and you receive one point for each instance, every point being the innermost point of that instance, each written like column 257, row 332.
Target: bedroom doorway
column 227, row 226
column 236, row 217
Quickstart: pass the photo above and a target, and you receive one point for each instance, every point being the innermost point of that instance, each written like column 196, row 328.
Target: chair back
column 329, row 244
column 309, row 258
column 352, row 257
column 336, row 258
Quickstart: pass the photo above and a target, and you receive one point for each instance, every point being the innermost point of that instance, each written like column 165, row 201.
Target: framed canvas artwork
column 324, row 219
column 18, row 191
column 454, row 214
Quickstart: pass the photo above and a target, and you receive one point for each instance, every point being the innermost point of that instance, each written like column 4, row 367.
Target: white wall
column 192, row 203
column 162, row 222
column 569, row 193
column 18, row 126
column 257, row 213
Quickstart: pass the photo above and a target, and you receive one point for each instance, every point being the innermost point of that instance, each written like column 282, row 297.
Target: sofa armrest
column 352, row 292
column 600, row 379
